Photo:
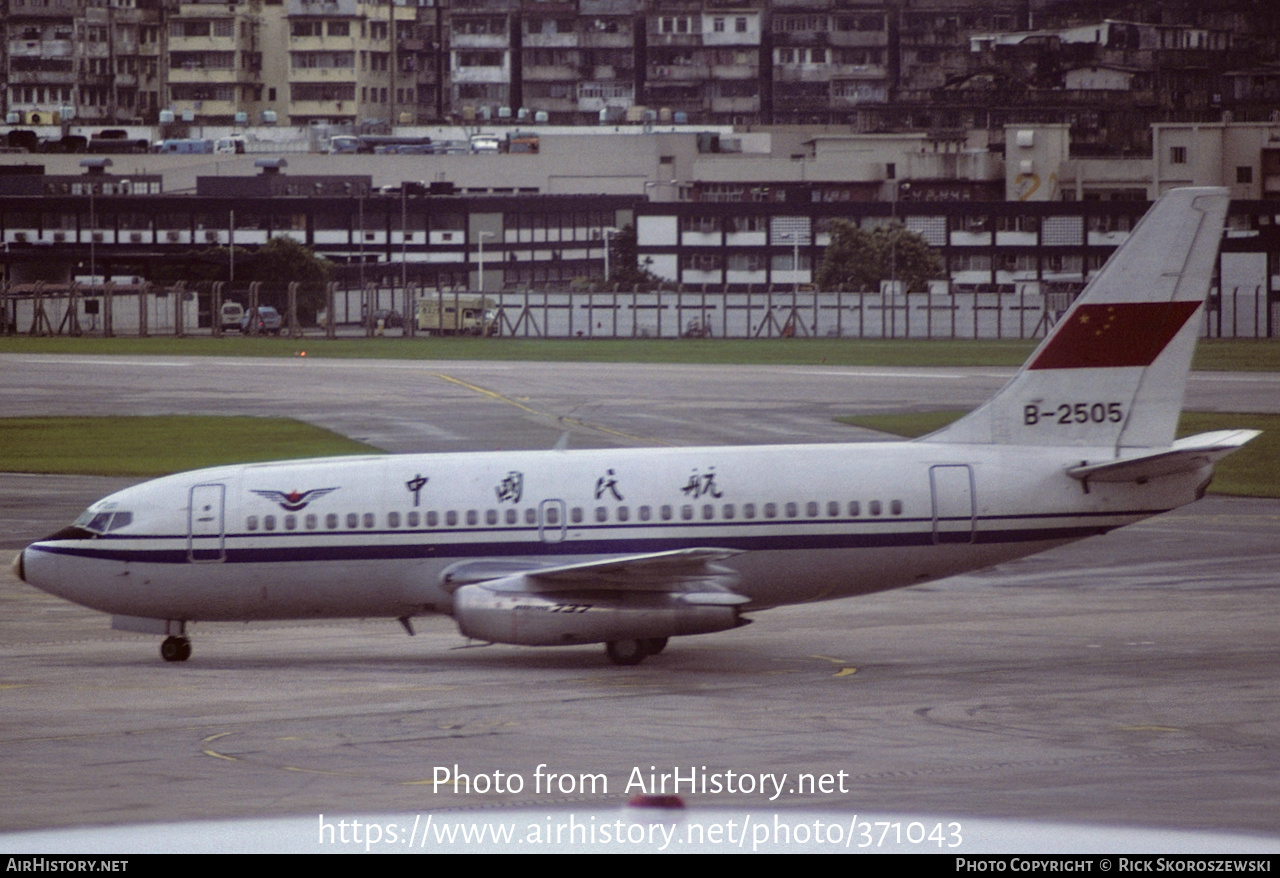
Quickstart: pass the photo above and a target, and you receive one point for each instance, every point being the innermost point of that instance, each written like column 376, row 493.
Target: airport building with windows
column 714, row 211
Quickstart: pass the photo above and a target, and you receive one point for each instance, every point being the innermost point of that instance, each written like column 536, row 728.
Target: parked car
column 390, row 319
column 262, row 321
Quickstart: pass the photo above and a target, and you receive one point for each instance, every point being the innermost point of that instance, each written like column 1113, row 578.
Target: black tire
column 626, row 652
column 175, row 649
column 653, row 645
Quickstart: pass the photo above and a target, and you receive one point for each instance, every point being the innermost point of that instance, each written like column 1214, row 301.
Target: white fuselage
column 378, row 536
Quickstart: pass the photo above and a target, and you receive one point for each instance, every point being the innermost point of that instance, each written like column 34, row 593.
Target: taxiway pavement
column 1129, row 680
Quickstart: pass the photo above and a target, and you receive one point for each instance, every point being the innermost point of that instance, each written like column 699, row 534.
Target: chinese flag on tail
column 1114, row 334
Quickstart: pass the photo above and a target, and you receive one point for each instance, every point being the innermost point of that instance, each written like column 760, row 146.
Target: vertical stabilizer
column 1113, row 370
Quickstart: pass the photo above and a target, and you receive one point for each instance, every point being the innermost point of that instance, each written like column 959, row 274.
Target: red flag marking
column 1116, row 334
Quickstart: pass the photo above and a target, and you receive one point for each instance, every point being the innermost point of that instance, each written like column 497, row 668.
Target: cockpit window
column 102, row 522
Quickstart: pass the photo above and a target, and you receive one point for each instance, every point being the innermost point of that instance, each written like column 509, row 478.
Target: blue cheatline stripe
column 177, row 554
column 614, row 528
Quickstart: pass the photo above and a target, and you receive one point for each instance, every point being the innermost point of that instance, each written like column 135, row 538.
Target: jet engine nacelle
column 501, row 615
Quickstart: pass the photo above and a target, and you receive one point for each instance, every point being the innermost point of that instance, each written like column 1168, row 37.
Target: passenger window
column 708, row 511
column 575, row 515
column 792, row 510
column 874, row 506
column 252, row 523
column 369, row 521
column 728, row 510
column 895, row 507
column 451, row 518
column 771, row 510
column 513, row 517
column 491, row 516
column 748, row 510
column 353, row 521
column 623, row 513
column 833, row 509
column 644, row 513
column 331, row 521
column 811, row 509
column 473, row 517
column 854, row 509
column 290, row 522
column 433, row 519
column 311, row 521
column 686, row 512
column 393, row 519
column 412, row 519
column 531, row 516
column 269, row 522
column 553, row 515
column 666, row 513
column 602, row 514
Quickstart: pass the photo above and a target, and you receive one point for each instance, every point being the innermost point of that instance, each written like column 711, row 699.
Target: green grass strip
column 1240, row 355
column 1253, row 471
column 154, row 446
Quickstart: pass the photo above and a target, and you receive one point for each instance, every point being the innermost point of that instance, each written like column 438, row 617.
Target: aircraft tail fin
column 1113, row 370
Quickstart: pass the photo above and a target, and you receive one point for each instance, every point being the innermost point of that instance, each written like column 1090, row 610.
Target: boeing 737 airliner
column 630, row 547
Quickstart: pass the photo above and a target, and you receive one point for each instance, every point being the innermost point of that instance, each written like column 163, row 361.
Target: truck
column 451, row 314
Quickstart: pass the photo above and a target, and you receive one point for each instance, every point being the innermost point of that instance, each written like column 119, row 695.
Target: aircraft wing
column 1185, row 455
column 688, row 571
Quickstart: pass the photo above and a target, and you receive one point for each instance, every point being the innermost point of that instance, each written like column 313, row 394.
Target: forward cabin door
column 206, row 524
column 551, row 523
column 953, row 503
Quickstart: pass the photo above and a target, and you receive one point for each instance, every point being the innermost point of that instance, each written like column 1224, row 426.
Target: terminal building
column 721, row 210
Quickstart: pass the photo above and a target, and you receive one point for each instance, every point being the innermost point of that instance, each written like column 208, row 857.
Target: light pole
column 95, row 171
column 607, row 233
column 480, row 236
column 93, row 235
column 404, row 239
column 231, row 247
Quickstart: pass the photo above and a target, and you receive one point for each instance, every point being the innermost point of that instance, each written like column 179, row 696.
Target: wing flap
column 1185, row 455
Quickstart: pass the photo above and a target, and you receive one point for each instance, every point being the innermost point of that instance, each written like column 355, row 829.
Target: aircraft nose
column 16, row 567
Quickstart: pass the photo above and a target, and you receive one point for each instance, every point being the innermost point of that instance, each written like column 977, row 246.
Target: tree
column 624, row 260
column 861, row 259
column 283, row 260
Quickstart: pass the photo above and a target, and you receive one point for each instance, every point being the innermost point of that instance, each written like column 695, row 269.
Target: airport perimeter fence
column 178, row 310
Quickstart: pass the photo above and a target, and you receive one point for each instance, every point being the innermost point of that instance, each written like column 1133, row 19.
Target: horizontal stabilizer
column 1185, row 455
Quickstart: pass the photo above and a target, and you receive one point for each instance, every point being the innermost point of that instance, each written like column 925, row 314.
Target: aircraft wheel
column 626, row 652
column 653, row 645
column 175, row 649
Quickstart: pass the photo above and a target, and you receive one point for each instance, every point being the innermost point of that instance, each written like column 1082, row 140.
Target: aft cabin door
column 206, row 534
column 953, row 509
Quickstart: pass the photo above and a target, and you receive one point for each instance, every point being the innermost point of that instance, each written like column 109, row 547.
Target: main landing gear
column 175, row 649
column 633, row 652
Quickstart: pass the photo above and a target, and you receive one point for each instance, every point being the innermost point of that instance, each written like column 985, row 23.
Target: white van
column 231, row 315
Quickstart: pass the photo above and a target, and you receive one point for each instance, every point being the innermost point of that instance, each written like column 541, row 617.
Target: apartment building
column 875, row 65
column 216, row 56
column 704, row 61
column 83, row 60
column 344, row 63
column 830, row 59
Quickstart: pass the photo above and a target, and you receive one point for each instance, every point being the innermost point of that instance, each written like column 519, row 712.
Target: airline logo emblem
column 1114, row 335
column 295, row 500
